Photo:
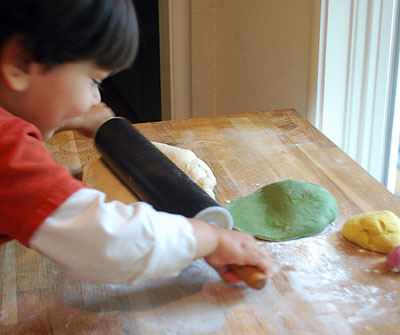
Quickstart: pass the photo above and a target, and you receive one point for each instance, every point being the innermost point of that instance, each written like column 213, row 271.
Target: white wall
column 253, row 55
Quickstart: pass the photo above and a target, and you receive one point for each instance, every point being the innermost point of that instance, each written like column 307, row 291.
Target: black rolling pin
column 148, row 172
column 154, row 178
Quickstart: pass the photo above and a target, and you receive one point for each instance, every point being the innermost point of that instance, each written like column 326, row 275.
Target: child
column 53, row 55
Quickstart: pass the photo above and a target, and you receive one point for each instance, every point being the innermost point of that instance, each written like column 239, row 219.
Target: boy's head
column 53, row 54
column 59, row 31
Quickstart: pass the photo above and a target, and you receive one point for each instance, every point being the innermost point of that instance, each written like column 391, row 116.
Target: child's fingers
column 230, row 277
column 226, row 274
column 263, row 261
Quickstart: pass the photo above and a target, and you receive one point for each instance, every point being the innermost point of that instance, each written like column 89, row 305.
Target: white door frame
column 355, row 83
column 175, row 58
column 394, row 132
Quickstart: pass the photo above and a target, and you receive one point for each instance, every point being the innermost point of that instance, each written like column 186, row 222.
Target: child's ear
column 15, row 64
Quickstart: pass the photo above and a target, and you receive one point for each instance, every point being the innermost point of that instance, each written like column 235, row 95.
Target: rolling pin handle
column 250, row 275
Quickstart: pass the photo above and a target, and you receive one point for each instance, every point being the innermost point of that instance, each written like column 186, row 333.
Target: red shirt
column 32, row 184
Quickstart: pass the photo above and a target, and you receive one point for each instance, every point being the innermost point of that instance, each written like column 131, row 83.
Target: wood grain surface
column 323, row 285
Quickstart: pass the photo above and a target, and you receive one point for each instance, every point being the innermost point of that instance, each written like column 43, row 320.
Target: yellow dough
column 96, row 174
column 377, row 231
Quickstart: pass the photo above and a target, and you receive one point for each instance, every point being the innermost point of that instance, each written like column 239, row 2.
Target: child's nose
column 97, row 97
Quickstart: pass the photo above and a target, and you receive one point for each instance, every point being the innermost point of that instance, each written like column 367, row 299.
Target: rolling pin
column 155, row 179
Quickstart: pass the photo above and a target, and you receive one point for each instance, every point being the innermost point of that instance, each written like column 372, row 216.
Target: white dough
column 96, row 175
column 189, row 163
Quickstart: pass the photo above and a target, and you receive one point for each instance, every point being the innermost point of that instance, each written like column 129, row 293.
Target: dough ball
column 189, row 163
column 393, row 260
column 284, row 210
column 377, row 231
column 97, row 175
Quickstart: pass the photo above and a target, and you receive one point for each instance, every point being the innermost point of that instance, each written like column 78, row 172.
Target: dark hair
column 60, row 31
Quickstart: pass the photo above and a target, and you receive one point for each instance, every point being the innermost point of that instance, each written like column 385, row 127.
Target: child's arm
column 90, row 122
column 118, row 243
column 113, row 242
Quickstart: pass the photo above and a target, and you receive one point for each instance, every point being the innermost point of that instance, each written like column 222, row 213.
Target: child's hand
column 90, row 122
column 237, row 248
column 223, row 248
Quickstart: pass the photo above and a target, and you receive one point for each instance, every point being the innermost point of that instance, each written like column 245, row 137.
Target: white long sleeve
column 113, row 242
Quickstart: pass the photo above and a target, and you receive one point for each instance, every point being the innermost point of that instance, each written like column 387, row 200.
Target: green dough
column 285, row 210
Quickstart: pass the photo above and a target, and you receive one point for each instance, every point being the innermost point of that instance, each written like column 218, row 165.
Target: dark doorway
column 135, row 93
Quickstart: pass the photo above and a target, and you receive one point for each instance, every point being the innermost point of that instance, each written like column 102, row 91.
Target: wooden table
column 325, row 284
